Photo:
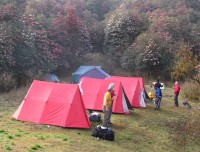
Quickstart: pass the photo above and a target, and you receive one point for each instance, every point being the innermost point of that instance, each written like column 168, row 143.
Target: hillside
column 144, row 37
column 145, row 130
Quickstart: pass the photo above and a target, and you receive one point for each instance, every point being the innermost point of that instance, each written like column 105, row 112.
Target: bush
column 190, row 91
column 7, row 82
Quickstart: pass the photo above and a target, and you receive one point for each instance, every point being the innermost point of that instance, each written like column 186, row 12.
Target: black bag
column 103, row 133
column 96, row 117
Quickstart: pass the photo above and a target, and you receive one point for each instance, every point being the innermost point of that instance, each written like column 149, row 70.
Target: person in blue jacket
column 158, row 96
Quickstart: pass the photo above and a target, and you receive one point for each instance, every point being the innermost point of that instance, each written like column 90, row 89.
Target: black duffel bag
column 103, row 133
column 96, row 117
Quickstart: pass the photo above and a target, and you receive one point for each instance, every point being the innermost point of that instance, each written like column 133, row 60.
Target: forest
column 154, row 38
column 149, row 39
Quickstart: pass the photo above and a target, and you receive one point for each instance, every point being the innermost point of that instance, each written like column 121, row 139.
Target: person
column 112, row 97
column 151, row 95
column 107, row 105
column 176, row 93
column 158, row 96
column 158, row 85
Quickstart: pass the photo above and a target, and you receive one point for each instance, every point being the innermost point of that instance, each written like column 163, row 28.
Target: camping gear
column 186, row 104
column 51, row 78
column 53, row 104
column 93, row 95
column 94, row 116
column 89, row 72
column 103, row 133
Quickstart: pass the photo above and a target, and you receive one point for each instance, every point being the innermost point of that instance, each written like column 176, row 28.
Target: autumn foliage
column 142, row 36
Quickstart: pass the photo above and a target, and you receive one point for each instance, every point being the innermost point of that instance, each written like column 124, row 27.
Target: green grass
column 7, row 148
column 143, row 130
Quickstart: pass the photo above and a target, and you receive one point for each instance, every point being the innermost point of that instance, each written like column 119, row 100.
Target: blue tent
column 90, row 72
column 51, row 78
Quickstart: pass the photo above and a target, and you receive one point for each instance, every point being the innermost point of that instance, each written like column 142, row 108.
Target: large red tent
column 134, row 89
column 93, row 91
column 54, row 104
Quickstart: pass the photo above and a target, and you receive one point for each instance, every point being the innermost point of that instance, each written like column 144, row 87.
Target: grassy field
column 143, row 130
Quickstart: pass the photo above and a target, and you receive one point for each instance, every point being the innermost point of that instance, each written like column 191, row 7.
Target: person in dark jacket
column 158, row 96
column 176, row 93
column 158, row 85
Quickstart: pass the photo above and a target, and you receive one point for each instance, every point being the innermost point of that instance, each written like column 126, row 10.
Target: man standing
column 158, row 85
column 107, row 105
column 158, row 95
column 176, row 93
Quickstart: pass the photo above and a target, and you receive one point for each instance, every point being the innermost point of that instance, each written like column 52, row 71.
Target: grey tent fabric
column 90, row 72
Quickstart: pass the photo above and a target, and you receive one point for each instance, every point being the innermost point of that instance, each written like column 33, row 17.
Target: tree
column 150, row 54
column 168, row 27
column 193, row 4
column 34, row 50
column 6, row 51
column 25, row 46
column 71, row 33
column 78, row 5
column 186, row 64
column 144, row 6
column 128, row 60
column 7, row 16
column 98, row 7
column 120, row 32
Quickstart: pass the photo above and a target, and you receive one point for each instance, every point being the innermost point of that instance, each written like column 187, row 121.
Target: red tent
column 93, row 94
column 54, row 104
column 134, row 89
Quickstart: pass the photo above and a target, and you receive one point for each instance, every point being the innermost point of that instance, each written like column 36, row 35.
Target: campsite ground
column 143, row 130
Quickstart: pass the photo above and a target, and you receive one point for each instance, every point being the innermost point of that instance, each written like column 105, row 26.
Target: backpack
column 96, row 117
column 103, row 133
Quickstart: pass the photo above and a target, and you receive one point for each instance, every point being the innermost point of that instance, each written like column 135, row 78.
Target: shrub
column 190, row 91
column 7, row 82
column 36, row 147
column 7, row 148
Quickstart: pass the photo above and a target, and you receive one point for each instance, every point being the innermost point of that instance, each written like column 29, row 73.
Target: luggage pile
column 104, row 133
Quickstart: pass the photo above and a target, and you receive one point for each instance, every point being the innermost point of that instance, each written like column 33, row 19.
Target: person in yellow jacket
column 151, row 95
column 107, row 104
